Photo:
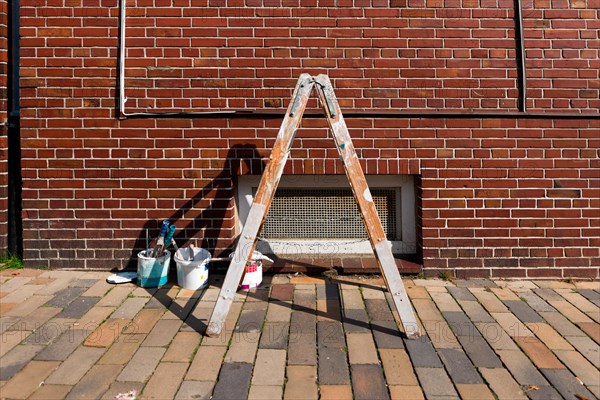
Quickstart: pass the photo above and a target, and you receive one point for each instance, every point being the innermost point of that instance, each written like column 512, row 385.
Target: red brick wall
column 500, row 196
column 3, row 126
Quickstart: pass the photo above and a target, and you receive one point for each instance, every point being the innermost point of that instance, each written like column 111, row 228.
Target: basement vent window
column 317, row 215
column 326, row 214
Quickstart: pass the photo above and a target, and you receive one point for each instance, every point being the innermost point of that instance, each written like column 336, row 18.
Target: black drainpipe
column 15, row 224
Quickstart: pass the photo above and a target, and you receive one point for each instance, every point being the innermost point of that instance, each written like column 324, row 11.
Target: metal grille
column 325, row 214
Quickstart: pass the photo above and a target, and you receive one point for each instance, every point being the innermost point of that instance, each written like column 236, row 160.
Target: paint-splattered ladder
column 268, row 186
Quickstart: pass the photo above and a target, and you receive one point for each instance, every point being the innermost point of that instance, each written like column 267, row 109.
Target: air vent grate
column 326, row 214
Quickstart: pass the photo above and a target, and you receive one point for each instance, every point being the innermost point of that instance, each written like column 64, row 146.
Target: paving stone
column 480, row 353
column 269, row 368
column 144, row 321
column 274, row 335
column 295, row 280
column 356, row 321
column 265, row 393
column 524, row 372
column 329, row 310
column 78, row 307
column 163, row 333
column 436, row 384
column 373, row 293
column 302, row 322
column 522, row 311
column 129, row 308
column 302, row 349
column 250, row 321
column 6, row 321
column 566, row 383
column 503, row 385
column 361, row 348
column 50, row 331
column 98, row 289
column 432, row 282
column 378, row 310
column 555, row 284
column 117, row 388
column 95, row 382
column 5, row 308
column 21, row 295
column 420, row 292
column 387, row 335
column 144, row 292
column 198, row 319
column 352, row 299
column 397, row 367
column 512, row 325
column 549, row 336
column 194, row 390
column 206, row 364
column 595, row 390
column 182, row 347
column 121, row 352
column 301, row 382
column 474, row 392
column 14, row 283
column 327, row 292
column 475, row 283
column 37, row 318
column 63, row 346
column 422, row 353
column 460, row 324
column 581, row 367
column 368, row 382
column 561, row 324
column 84, row 283
column 539, row 354
column 592, row 329
column 23, row 384
column 496, row 336
column 459, row 366
column 279, row 311
column 65, row 296
column 242, row 350
column 180, row 308
column 304, row 300
column 51, row 392
column 93, row 318
column 75, row 366
column 115, row 297
column 16, row 359
column 53, row 287
column 536, row 302
column 142, row 364
column 335, row 392
column 476, row 312
column 445, row 302
column 504, row 294
column 461, row 293
column 165, row 381
column 548, row 294
column 11, row 338
column 330, row 334
column 107, row 333
column 234, row 381
column 406, row 393
column 282, row 292
column 587, row 348
column 518, row 285
column 28, row 306
column 333, row 366
column 489, row 301
column 591, row 295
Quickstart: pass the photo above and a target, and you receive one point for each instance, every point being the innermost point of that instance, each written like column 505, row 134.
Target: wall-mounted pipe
column 522, row 56
column 15, row 223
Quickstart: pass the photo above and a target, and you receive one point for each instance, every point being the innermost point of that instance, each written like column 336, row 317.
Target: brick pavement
column 69, row 334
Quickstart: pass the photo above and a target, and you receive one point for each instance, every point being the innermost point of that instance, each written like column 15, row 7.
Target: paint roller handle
column 169, row 236
column 192, row 247
column 160, row 242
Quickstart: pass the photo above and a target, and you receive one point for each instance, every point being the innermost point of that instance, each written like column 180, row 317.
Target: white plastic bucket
column 153, row 272
column 192, row 275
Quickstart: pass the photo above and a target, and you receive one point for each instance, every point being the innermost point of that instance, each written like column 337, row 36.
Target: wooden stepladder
column 268, row 186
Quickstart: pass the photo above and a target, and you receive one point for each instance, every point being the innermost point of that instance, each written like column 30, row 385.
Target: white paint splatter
column 367, row 195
